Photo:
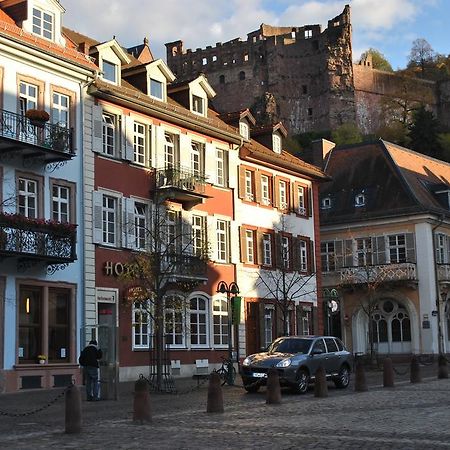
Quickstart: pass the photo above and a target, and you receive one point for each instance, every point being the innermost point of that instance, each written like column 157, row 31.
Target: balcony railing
column 51, row 142
column 185, row 266
column 378, row 274
column 53, row 243
column 180, row 178
column 443, row 272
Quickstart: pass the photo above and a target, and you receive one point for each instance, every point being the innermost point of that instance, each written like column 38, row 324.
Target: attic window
column 276, row 143
column 308, row 34
column 326, row 203
column 156, row 89
column 43, row 23
column 109, row 71
column 198, row 105
column 360, row 200
column 244, row 130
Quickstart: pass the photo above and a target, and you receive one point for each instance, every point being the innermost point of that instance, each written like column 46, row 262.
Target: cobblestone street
column 409, row 416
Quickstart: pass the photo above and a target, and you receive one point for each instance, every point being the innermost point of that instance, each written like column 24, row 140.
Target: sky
column 389, row 26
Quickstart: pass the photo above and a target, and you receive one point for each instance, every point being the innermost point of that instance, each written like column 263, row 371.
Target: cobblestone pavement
column 408, row 416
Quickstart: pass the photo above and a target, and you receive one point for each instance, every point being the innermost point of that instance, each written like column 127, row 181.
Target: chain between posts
column 37, row 410
column 155, row 388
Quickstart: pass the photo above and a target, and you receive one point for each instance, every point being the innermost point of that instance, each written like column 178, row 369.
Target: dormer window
column 326, row 203
column 244, row 130
column 109, row 71
column 276, row 143
column 156, row 89
column 198, row 104
column 43, row 23
column 360, row 200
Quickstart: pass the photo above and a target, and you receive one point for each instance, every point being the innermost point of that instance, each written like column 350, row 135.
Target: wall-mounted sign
column 114, row 269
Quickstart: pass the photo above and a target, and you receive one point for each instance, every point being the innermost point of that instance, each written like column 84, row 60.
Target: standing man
column 89, row 360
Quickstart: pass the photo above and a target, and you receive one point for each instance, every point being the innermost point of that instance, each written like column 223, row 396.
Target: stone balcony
column 188, row 267
column 443, row 271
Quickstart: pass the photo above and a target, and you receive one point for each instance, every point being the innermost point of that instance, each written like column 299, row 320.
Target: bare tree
column 421, row 54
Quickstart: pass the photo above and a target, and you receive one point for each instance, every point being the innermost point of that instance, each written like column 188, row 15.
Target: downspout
column 438, row 301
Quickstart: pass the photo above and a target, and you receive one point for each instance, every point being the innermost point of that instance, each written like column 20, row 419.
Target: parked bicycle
column 223, row 371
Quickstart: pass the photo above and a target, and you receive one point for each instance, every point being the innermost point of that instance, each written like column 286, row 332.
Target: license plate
column 259, row 375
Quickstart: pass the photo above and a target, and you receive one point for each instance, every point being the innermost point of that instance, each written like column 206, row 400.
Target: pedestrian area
column 408, row 416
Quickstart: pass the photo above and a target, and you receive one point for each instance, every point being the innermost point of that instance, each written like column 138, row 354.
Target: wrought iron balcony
column 49, row 142
column 378, row 274
column 443, row 272
column 185, row 267
column 181, row 185
column 38, row 239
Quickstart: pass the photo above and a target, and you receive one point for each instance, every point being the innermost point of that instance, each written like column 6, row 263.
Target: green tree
column 346, row 134
column 379, row 61
column 424, row 133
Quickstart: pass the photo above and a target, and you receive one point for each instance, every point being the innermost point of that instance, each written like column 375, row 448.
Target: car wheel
column 343, row 378
column 302, row 381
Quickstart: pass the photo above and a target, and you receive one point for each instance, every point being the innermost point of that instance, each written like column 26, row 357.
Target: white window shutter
column 127, row 146
column 128, row 237
column 97, row 129
column 97, row 230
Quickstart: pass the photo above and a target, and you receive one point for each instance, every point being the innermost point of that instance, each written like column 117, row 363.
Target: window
column 303, row 253
column 441, row 249
column 326, row 203
column 241, row 75
column 250, row 246
column 276, row 143
column 283, row 194
column 198, row 316
column 61, row 203
column 61, row 109
column 139, row 143
column 43, row 23
column 109, row 71
column 169, row 151
column 196, row 158
column 265, row 190
column 141, row 326
column 360, row 200
column 28, row 96
column 244, row 130
column 173, row 322
column 45, row 323
column 156, row 89
column 267, row 249
column 109, row 134
column 249, row 185
column 220, row 322
column 397, row 248
column 286, row 251
column 310, row 112
column 198, row 236
column 327, row 256
column 222, row 232
column 140, row 225
column 28, row 198
column 221, row 167
column 301, row 198
column 304, row 89
column 308, row 34
column 305, row 321
column 109, row 220
column 269, row 313
column 364, row 251
column 172, row 234
column 222, row 79
column 198, row 104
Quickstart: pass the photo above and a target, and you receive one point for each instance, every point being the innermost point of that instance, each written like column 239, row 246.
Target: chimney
column 83, row 47
column 319, row 151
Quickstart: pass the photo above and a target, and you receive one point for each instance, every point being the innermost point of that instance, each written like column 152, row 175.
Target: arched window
column 220, row 322
column 198, row 321
column 174, row 321
column 222, row 79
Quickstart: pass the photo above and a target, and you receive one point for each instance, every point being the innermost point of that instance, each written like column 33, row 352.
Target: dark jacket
column 89, row 356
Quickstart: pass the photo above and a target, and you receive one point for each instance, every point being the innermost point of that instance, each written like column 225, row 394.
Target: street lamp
column 231, row 289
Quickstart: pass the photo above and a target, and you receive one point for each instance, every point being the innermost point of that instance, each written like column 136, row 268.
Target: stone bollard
column 273, row 393
column 320, row 383
column 215, row 396
column 73, row 410
column 141, row 403
column 442, row 367
column 360, row 378
column 416, row 377
column 388, row 373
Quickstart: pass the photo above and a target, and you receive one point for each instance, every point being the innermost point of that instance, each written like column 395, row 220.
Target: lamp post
column 231, row 289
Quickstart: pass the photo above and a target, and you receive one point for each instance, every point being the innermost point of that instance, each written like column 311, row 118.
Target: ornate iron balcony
column 185, row 266
column 379, row 273
column 51, row 242
column 50, row 142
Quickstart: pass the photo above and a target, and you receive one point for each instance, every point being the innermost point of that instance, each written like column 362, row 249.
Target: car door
column 333, row 356
column 318, row 356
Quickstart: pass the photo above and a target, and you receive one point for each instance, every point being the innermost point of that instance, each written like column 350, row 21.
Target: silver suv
column 297, row 358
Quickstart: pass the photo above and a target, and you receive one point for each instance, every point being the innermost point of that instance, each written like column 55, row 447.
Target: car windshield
column 290, row 346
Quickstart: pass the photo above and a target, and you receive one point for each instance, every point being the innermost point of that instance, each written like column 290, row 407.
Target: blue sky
column 387, row 25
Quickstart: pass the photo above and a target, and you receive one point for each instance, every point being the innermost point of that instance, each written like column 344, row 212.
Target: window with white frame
column 265, row 190
column 109, row 220
column 198, row 235
column 222, row 233
column 173, row 321
column 441, row 248
column 198, row 321
column 109, row 126
column 269, row 316
column 327, row 256
column 28, row 97
column 156, row 89
column 221, row 167
column 308, row 34
column 172, row 235
column 43, row 23
column 169, row 150
column 286, row 251
column 141, row 326
column 140, row 225
column 283, row 194
column 139, row 143
column 276, row 143
column 244, row 130
column 249, row 185
column 220, row 322
column 364, row 251
column 61, row 203
column 109, row 71
column 60, row 109
column 326, row 203
column 250, row 246
column 196, row 158
column 303, row 253
column 397, row 248
column 28, row 197
column 301, row 198
column 198, row 105
column 267, row 249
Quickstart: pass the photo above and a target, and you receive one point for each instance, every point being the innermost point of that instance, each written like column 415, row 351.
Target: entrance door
column 253, row 344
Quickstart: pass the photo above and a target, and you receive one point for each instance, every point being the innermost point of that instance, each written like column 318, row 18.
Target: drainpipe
column 438, row 294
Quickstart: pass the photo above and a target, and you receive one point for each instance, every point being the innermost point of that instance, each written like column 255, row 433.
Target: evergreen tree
column 424, row 133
